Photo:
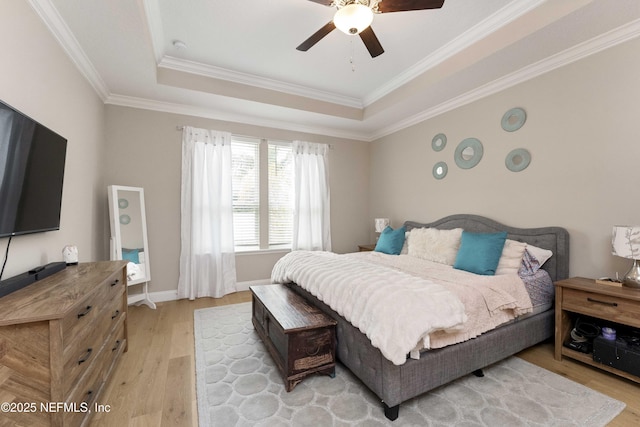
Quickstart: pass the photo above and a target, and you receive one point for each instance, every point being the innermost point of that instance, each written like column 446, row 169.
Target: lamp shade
column 381, row 224
column 625, row 241
column 353, row 18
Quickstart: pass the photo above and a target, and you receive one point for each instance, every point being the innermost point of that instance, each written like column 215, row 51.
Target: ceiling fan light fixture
column 353, row 18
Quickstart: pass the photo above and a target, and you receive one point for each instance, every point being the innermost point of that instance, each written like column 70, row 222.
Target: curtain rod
column 181, row 128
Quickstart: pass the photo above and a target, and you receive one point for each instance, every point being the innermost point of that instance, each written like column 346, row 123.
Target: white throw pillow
column 542, row 255
column 435, row 245
column 511, row 257
column 405, row 246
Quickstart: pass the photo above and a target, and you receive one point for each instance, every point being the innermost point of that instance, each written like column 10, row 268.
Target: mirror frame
column 115, row 250
column 478, row 151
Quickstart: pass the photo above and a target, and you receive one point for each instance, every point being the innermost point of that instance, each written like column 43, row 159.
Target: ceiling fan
column 355, row 17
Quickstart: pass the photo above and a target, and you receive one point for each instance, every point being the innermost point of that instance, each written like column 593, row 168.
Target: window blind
column 280, row 160
column 246, row 191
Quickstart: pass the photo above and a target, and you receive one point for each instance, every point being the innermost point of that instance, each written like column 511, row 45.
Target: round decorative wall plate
column 440, row 170
column 517, row 160
column 123, row 203
column 125, row 219
column 513, row 119
column 439, row 142
column 468, row 153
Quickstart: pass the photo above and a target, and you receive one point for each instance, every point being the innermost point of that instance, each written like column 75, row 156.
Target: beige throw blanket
column 395, row 310
column 489, row 300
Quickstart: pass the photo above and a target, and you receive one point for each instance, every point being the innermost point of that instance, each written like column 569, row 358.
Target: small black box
column 617, row 354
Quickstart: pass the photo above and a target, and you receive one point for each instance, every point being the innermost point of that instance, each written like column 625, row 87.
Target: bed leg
column 478, row 373
column 391, row 412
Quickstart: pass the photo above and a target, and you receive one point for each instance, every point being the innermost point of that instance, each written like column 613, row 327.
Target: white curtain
column 207, row 258
column 311, row 218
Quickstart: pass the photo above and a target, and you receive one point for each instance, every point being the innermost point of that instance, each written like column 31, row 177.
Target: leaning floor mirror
column 129, row 240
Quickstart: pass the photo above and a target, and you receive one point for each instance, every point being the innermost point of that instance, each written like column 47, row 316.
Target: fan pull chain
column 351, row 61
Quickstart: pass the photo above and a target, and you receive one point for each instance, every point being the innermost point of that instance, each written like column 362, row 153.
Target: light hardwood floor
column 154, row 383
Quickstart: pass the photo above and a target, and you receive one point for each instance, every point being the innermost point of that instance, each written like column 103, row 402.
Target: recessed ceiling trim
column 151, row 12
column 479, row 31
column 257, row 81
column 597, row 44
column 189, row 110
column 65, row 38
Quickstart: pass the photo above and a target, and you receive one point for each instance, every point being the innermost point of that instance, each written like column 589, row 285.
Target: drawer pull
column 116, row 314
column 86, row 356
column 85, row 312
column 115, row 282
column 612, row 304
column 118, row 342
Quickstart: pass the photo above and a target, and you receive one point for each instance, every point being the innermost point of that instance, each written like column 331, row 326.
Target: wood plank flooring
column 154, row 383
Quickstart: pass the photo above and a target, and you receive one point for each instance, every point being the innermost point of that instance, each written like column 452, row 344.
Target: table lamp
column 380, row 225
column 625, row 242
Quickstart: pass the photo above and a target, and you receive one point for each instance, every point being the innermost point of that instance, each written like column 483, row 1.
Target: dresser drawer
column 75, row 326
column 602, row 306
column 83, row 396
column 79, row 354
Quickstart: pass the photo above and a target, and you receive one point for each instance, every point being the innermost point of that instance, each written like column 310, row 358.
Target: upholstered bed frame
column 395, row 384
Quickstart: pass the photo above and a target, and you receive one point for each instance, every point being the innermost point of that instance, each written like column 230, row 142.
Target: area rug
column 239, row 385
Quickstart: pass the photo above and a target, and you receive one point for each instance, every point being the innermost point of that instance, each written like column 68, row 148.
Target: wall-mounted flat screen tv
column 32, row 161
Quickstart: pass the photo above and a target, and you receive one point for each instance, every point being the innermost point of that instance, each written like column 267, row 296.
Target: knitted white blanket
column 395, row 310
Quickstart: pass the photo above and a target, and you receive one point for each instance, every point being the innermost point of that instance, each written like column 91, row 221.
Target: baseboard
column 163, row 296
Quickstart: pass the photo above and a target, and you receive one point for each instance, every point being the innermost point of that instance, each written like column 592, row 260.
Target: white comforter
column 395, row 310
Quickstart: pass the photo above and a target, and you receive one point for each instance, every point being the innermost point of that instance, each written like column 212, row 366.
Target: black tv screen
column 32, row 161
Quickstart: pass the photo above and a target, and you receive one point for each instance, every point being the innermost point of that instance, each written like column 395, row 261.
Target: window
column 262, row 193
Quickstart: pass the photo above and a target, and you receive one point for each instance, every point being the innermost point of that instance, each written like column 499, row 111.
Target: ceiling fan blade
column 324, row 2
column 316, row 37
column 386, row 6
column 371, row 42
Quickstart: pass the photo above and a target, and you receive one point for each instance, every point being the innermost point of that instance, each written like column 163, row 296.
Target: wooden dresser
column 60, row 339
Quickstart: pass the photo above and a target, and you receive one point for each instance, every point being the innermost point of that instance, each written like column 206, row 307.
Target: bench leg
column 391, row 412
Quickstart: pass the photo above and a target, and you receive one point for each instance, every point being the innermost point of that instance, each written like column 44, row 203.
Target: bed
column 394, row 383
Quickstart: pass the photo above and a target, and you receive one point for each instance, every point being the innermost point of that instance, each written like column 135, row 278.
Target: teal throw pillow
column 391, row 241
column 480, row 252
column 131, row 255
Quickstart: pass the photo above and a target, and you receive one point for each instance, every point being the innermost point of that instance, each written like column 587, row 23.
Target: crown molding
column 190, row 110
column 61, row 32
column 256, row 81
column 479, row 31
column 151, row 13
column 597, row 44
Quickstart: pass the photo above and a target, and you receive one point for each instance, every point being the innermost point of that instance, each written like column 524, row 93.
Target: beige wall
column 37, row 78
column 143, row 150
column 582, row 130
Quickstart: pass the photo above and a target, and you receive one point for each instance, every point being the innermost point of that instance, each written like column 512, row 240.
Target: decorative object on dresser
column 608, row 306
column 60, row 339
column 625, row 242
column 300, row 338
column 129, row 238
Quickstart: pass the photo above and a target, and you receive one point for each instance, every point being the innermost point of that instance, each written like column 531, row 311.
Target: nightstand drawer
column 602, row 306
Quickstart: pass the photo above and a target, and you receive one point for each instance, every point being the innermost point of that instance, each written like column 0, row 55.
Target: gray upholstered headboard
column 556, row 239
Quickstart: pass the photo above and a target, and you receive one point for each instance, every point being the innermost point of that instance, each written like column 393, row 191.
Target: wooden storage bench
column 300, row 338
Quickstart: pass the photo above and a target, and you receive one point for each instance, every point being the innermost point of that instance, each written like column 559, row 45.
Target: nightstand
column 366, row 248
column 611, row 303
